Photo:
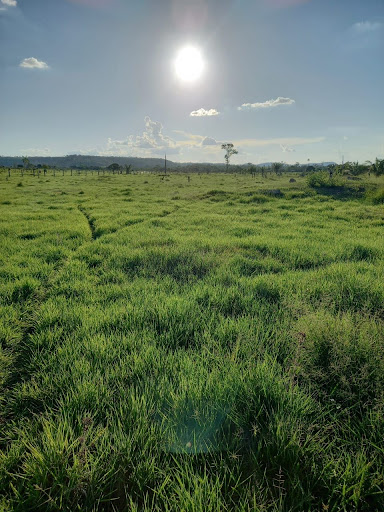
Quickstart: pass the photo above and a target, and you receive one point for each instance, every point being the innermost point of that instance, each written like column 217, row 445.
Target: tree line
column 375, row 167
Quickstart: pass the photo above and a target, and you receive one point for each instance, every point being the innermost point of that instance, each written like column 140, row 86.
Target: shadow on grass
column 342, row 193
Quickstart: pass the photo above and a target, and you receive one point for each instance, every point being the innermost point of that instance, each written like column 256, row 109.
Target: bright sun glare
column 189, row 64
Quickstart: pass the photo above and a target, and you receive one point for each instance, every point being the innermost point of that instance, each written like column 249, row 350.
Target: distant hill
column 85, row 161
column 101, row 162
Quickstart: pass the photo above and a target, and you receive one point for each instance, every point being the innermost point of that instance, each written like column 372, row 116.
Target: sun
column 189, row 64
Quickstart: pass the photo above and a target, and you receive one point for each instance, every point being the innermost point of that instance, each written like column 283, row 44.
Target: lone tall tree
column 26, row 162
column 229, row 151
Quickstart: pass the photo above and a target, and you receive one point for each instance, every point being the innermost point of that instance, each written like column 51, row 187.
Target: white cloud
column 288, row 141
column 209, row 141
column 267, row 104
column 286, row 149
column 192, row 147
column 35, row 151
column 9, row 3
column 363, row 27
column 32, row 63
column 152, row 139
column 202, row 112
column 193, row 138
column 154, row 142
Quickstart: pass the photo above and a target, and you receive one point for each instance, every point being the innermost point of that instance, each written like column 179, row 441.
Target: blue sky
column 286, row 80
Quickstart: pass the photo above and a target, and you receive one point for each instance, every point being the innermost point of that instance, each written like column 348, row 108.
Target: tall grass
column 199, row 346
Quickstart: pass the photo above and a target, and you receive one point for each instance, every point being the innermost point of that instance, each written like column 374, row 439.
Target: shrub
column 322, row 179
column 378, row 196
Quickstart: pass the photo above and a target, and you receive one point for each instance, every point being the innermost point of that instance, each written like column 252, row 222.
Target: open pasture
column 203, row 345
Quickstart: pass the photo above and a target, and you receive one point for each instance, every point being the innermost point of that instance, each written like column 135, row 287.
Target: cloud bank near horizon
column 153, row 142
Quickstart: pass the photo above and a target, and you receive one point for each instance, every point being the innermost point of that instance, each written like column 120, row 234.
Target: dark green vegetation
column 205, row 345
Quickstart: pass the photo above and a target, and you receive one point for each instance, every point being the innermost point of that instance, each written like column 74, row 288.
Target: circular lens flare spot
column 189, row 64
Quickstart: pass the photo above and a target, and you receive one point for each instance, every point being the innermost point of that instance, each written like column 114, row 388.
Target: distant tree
column 26, row 162
column 377, row 167
column 128, row 169
column 344, row 168
column 277, row 167
column 296, row 167
column 229, row 151
column 113, row 167
column 353, row 168
column 263, row 171
column 356, row 169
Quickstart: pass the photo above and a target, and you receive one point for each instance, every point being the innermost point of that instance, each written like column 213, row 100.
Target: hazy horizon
column 169, row 160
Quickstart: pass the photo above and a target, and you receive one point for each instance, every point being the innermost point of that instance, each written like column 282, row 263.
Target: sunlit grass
column 197, row 345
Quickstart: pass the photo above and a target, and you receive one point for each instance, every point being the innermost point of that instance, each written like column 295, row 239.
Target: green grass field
column 202, row 345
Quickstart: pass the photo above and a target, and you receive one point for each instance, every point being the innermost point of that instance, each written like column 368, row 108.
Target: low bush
column 322, row 179
column 378, row 196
